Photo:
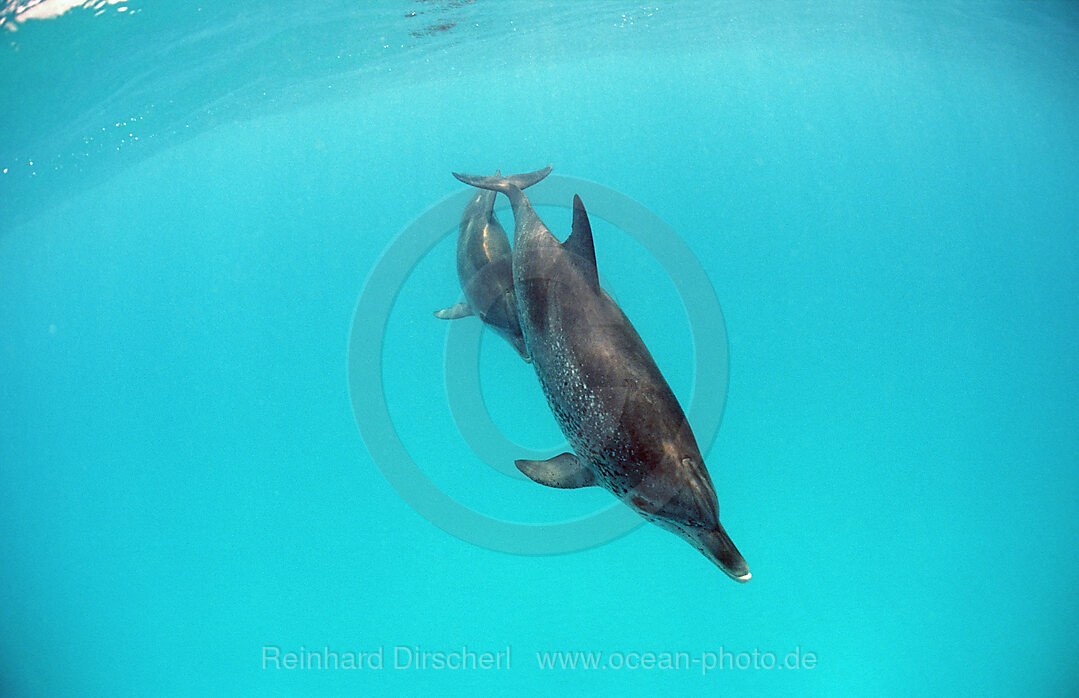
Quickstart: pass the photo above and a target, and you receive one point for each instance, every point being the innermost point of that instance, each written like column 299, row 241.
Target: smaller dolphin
column 485, row 267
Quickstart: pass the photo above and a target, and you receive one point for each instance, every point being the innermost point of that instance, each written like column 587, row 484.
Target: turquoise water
column 882, row 195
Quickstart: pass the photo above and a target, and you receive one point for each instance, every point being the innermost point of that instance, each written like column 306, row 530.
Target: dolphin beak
column 718, row 547
column 519, row 345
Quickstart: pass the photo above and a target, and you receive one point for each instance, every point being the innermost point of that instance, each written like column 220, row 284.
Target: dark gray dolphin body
column 629, row 433
column 484, row 266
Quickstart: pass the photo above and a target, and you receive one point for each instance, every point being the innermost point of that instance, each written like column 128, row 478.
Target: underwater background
column 884, row 197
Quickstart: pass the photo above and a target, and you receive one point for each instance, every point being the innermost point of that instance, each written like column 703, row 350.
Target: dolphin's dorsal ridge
column 580, row 246
column 564, row 471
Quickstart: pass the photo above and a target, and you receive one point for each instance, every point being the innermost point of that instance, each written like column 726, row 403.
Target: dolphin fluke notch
column 524, row 181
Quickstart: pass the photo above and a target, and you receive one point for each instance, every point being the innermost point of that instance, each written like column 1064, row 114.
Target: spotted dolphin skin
column 609, row 397
column 484, row 266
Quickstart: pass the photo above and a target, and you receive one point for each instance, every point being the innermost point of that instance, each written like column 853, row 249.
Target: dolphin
column 628, row 432
column 484, row 266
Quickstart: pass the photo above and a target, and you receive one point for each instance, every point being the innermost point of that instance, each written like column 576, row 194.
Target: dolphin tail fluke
column 524, row 181
column 522, row 209
column 499, row 182
column 493, row 183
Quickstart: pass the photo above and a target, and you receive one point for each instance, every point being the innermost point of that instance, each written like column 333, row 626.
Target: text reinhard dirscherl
column 407, row 657
column 397, row 657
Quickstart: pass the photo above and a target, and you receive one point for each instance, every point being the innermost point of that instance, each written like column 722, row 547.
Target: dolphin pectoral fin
column 454, row 311
column 565, row 471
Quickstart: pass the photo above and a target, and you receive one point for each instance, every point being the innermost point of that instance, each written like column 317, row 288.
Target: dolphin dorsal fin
column 580, row 246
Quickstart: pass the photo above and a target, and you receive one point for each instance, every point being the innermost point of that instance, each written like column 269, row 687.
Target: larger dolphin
column 484, row 266
column 609, row 397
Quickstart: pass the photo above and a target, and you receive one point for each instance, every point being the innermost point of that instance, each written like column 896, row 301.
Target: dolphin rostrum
column 484, row 266
column 629, row 433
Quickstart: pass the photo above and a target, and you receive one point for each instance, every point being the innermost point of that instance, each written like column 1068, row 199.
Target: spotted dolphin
column 629, row 434
column 484, row 266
